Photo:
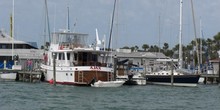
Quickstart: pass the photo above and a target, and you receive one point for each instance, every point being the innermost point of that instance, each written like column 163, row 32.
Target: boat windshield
column 70, row 39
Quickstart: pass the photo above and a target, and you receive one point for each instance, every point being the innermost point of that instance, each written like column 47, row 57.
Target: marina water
column 43, row 96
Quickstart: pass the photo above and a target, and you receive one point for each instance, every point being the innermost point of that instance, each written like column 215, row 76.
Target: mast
column 112, row 22
column 12, row 28
column 180, row 36
column 159, row 34
column 201, row 37
column 111, row 29
column 197, row 45
column 47, row 20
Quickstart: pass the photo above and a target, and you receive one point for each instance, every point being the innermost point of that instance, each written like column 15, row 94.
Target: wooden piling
column 172, row 73
column 54, row 70
column 115, row 67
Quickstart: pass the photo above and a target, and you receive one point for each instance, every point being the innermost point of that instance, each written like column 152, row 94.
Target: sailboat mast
column 112, row 22
column 13, row 9
column 180, row 36
column 111, row 29
column 47, row 20
column 201, row 37
column 197, row 45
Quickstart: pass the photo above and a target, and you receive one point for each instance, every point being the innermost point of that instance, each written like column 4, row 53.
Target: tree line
column 210, row 48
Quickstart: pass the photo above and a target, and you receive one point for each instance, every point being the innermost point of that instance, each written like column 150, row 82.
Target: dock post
column 171, row 72
column 115, row 67
column 54, row 70
column 30, row 77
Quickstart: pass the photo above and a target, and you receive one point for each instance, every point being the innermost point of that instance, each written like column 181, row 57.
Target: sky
column 137, row 22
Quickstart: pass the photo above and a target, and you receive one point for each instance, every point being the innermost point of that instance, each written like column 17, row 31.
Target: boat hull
column 8, row 76
column 178, row 80
column 79, row 76
column 133, row 81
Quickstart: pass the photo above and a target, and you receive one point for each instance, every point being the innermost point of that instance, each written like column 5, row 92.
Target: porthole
column 66, row 74
column 71, row 74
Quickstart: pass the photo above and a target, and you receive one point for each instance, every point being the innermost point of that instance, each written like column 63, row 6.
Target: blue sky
column 136, row 21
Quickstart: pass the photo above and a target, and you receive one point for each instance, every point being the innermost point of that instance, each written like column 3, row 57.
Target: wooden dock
column 25, row 76
column 29, row 76
column 210, row 78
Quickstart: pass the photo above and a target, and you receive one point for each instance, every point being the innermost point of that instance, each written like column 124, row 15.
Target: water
column 42, row 96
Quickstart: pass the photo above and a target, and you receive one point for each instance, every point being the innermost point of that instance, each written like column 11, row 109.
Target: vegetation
column 209, row 49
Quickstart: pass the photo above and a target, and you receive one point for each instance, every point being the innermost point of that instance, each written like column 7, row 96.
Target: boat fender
column 51, row 81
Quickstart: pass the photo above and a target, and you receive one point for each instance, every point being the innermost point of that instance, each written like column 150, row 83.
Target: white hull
column 108, row 84
column 175, row 84
column 137, row 78
column 139, row 81
column 8, row 76
column 201, row 80
column 66, row 75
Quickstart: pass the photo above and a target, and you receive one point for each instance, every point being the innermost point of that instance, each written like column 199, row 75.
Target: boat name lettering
column 95, row 67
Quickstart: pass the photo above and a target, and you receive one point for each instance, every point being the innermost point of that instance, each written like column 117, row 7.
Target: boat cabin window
column 75, row 56
column 68, row 56
column 61, row 56
column 87, row 59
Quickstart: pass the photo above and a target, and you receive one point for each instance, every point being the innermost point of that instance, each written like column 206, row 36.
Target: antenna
column 103, row 41
column 98, row 42
column 68, row 20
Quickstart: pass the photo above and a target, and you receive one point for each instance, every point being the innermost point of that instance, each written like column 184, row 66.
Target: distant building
column 215, row 65
column 144, row 61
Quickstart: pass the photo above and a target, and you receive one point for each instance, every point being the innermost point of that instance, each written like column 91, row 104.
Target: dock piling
column 54, row 70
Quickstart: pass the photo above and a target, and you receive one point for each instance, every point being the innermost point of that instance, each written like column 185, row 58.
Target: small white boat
column 108, row 83
column 10, row 75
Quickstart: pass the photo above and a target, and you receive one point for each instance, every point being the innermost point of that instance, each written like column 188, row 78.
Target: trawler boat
column 75, row 62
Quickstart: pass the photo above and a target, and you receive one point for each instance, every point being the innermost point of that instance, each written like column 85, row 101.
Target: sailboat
column 174, row 77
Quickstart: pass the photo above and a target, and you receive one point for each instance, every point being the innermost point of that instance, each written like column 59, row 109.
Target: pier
column 25, row 76
column 29, row 76
column 210, row 78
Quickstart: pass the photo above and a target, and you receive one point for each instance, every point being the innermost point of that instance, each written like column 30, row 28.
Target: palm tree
column 145, row 46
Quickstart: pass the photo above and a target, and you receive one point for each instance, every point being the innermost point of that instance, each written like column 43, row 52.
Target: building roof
column 153, row 55
column 6, row 39
column 217, row 60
